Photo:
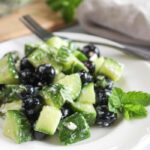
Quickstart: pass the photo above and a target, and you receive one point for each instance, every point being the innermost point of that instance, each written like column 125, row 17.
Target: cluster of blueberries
column 34, row 79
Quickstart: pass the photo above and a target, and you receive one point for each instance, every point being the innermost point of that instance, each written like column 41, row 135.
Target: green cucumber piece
column 59, row 76
column 39, row 57
column 98, row 64
column 57, row 42
column 15, row 56
column 69, row 61
column 87, row 110
column 112, row 69
column 79, row 55
column 8, row 72
column 15, row 105
column 30, row 47
column 48, row 120
column 73, row 82
column 73, row 129
column 55, row 95
column 77, row 66
column 64, row 56
column 11, row 92
column 87, row 94
column 17, row 127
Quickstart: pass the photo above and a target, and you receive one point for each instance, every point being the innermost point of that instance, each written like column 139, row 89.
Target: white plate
column 124, row 135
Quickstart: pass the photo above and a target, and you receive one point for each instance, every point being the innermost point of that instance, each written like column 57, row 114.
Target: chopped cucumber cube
column 69, row 61
column 8, row 72
column 77, row 66
column 98, row 64
column 57, row 42
column 55, row 95
column 79, row 55
column 112, row 69
column 30, row 47
column 73, row 82
column 65, row 57
column 39, row 57
column 87, row 94
column 48, row 120
column 17, row 127
column 73, row 129
column 59, row 76
column 15, row 105
column 87, row 110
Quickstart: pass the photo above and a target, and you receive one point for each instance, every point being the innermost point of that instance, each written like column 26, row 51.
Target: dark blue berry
column 28, row 77
column 25, row 64
column 32, row 103
column 85, row 77
column 104, row 117
column 90, row 50
column 39, row 135
column 66, row 111
column 32, row 106
column 102, row 95
column 90, row 65
column 110, row 84
column 45, row 74
column 1, row 86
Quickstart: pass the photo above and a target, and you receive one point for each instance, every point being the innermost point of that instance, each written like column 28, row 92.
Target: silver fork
column 43, row 34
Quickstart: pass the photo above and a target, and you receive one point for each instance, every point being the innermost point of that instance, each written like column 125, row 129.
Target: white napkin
column 126, row 21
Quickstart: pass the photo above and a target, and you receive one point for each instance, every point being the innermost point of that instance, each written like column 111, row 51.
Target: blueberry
column 25, row 64
column 32, row 106
column 32, row 103
column 85, row 77
column 90, row 50
column 39, row 135
column 104, row 117
column 102, row 95
column 31, row 90
column 110, row 84
column 45, row 74
column 28, row 77
column 66, row 111
column 90, row 65
column 1, row 86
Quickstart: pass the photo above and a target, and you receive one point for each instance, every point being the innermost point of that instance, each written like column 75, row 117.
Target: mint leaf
column 114, row 101
column 132, row 111
column 66, row 7
column 136, row 98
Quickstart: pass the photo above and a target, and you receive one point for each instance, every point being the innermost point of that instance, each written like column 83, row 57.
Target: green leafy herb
column 66, row 7
column 134, row 111
column 140, row 98
column 131, row 104
column 114, row 103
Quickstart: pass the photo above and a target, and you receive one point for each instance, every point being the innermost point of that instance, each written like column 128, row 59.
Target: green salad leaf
column 136, row 98
column 131, row 111
column 66, row 7
column 131, row 104
column 114, row 102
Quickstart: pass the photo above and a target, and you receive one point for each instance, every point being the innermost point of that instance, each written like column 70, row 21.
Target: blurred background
column 124, row 21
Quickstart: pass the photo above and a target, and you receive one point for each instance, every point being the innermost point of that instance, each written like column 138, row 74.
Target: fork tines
column 32, row 25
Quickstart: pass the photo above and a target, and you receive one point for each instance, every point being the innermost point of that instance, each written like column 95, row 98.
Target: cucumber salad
column 61, row 87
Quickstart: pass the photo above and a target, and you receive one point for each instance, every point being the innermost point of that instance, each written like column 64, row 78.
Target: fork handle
column 136, row 51
column 128, row 49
